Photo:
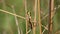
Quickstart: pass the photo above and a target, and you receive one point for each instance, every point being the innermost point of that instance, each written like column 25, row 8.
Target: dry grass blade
column 12, row 14
column 51, row 14
column 26, row 23
column 46, row 28
column 40, row 25
column 35, row 9
column 25, row 4
column 44, row 16
column 29, row 31
column 43, row 31
column 16, row 21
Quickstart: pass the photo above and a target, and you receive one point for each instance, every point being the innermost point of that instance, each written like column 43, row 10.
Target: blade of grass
column 39, row 19
column 35, row 9
column 12, row 14
column 17, row 24
column 29, row 31
column 51, row 12
column 26, row 23
column 25, row 4
column 46, row 28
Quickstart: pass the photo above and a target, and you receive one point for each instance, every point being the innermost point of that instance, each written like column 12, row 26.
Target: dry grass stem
column 12, row 14
column 16, row 21
column 45, row 28
column 51, row 14
column 29, row 31
column 35, row 10
column 26, row 23
column 44, row 17
column 25, row 4
column 39, row 19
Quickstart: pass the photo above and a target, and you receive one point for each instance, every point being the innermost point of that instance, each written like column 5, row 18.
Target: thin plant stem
column 43, row 31
column 44, row 17
column 16, row 21
column 21, row 31
column 35, row 9
column 25, row 4
column 51, row 12
column 26, row 23
column 39, row 19
column 45, row 28
column 12, row 14
column 29, row 31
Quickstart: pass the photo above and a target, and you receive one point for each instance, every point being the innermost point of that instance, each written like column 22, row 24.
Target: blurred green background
column 8, row 23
